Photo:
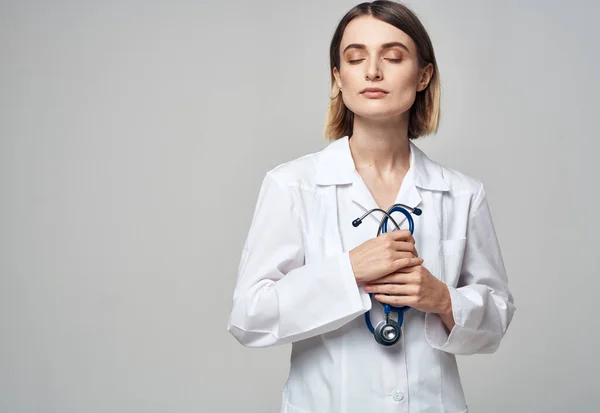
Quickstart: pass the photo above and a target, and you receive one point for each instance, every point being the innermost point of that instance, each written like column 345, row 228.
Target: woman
column 307, row 275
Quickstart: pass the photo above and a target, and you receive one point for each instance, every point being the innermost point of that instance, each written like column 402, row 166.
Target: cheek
column 403, row 100
column 405, row 92
column 350, row 79
column 406, row 83
column 405, row 96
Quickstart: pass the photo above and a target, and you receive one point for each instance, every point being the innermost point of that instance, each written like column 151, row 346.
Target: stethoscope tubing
column 383, row 228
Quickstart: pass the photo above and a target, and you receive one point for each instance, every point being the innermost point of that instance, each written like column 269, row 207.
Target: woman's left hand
column 413, row 286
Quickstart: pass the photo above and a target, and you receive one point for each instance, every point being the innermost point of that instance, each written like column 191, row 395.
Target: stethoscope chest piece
column 387, row 333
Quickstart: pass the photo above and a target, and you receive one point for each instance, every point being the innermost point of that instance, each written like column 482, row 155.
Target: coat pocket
column 451, row 258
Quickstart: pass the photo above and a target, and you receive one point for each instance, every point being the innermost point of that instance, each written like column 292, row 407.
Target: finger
column 392, row 289
column 402, row 254
column 401, row 235
column 407, row 262
column 406, row 270
column 395, row 300
column 397, row 278
column 405, row 246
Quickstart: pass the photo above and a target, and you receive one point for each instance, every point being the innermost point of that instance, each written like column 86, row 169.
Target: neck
column 380, row 146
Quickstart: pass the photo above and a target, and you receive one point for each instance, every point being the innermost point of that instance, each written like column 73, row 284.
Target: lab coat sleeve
column 278, row 298
column 482, row 304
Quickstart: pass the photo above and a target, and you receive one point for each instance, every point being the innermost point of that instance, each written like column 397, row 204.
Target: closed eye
column 360, row 60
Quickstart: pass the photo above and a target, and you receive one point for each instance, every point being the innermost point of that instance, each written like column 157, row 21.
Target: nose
column 373, row 70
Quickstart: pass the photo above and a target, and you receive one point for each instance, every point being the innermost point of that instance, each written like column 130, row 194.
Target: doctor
column 307, row 276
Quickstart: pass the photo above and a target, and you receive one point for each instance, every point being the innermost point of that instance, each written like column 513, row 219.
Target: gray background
column 134, row 137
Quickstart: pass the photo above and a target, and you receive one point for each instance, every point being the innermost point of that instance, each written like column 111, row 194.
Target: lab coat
column 296, row 285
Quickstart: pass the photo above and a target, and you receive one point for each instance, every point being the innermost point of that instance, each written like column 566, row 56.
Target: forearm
column 446, row 310
column 266, row 302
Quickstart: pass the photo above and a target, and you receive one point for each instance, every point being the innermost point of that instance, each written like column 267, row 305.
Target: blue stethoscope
column 388, row 331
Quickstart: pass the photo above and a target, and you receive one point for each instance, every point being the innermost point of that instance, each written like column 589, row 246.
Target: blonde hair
column 425, row 111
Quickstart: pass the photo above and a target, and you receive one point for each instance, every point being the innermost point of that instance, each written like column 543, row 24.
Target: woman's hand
column 383, row 255
column 415, row 287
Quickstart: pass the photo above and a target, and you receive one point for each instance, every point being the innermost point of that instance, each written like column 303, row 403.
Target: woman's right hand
column 383, row 255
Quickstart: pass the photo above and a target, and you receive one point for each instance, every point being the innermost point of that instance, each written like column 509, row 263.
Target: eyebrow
column 383, row 46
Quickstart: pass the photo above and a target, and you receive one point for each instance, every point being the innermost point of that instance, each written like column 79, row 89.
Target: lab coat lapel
column 361, row 195
column 336, row 167
column 408, row 195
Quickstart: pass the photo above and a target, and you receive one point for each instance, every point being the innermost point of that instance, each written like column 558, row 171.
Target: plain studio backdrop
column 134, row 137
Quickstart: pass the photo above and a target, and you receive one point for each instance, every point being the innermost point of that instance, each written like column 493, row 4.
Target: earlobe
column 336, row 76
column 426, row 76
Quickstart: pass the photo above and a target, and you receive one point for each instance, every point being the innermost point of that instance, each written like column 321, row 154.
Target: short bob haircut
column 425, row 111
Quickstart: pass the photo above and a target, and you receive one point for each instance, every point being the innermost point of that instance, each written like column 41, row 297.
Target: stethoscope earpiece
column 388, row 331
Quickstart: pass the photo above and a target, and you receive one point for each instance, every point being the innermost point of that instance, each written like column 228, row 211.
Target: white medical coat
column 296, row 285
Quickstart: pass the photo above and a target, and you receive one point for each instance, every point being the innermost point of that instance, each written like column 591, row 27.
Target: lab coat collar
column 335, row 166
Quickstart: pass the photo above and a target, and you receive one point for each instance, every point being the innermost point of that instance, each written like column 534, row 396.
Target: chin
column 378, row 113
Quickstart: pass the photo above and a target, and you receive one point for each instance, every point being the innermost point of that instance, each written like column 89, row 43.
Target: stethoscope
column 388, row 331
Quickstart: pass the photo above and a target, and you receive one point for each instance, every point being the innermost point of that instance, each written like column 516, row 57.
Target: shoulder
column 299, row 172
column 461, row 183
column 432, row 174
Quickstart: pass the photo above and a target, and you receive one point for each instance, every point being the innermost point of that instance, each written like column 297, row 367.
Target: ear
column 336, row 75
column 425, row 77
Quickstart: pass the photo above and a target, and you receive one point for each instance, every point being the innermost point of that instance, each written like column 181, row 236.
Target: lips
column 373, row 90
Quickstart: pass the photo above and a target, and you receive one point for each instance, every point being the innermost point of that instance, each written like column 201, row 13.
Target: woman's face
column 375, row 54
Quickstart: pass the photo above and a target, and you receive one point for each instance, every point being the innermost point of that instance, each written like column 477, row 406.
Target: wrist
column 357, row 274
column 445, row 307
